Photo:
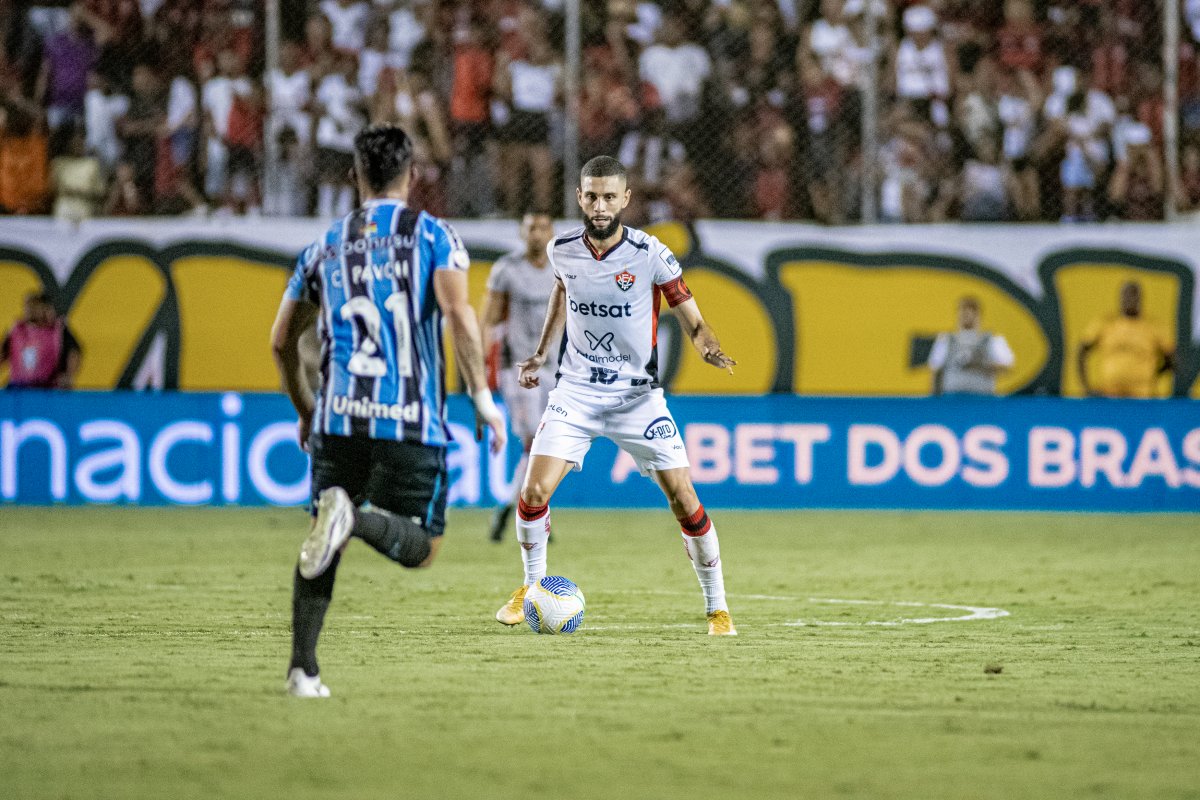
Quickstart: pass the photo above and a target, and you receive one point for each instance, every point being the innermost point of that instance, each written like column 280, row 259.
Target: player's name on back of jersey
column 602, row 309
column 369, row 409
column 364, row 273
column 400, row 241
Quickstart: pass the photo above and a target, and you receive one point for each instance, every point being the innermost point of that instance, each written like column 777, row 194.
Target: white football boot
column 335, row 520
column 300, row 685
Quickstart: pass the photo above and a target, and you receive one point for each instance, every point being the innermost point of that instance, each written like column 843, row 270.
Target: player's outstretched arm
column 704, row 339
column 556, row 316
column 291, row 321
column 450, row 289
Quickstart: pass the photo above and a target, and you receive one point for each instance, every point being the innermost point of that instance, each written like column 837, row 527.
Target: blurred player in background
column 968, row 360
column 519, row 288
column 1131, row 351
column 608, row 283
column 381, row 279
column 40, row 349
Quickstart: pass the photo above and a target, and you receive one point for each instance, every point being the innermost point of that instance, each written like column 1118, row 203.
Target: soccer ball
column 554, row 605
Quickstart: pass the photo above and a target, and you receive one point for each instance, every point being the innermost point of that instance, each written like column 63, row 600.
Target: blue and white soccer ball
column 554, row 605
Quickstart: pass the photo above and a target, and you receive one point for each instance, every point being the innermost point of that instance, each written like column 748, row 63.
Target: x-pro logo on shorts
column 661, row 428
column 595, row 341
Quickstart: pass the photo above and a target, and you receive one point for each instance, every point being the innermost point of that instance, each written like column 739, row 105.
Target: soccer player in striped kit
column 609, row 280
column 380, row 282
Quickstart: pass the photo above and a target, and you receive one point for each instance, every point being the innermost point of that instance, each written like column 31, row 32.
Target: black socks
column 310, row 601
column 398, row 538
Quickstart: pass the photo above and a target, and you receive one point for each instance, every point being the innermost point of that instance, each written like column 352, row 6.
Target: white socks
column 532, row 535
column 705, row 554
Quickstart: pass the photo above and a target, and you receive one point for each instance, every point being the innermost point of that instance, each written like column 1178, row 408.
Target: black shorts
column 405, row 478
column 528, row 127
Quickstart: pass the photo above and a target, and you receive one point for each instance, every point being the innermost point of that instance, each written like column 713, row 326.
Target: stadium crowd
column 989, row 111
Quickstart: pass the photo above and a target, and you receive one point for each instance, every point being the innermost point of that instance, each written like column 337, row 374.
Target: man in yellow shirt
column 1131, row 352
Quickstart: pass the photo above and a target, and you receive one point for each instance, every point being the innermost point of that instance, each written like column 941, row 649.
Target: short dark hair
column 969, row 301
column 603, row 167
column 384, row 154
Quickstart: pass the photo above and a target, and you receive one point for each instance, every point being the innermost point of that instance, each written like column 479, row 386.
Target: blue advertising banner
column 776, row 451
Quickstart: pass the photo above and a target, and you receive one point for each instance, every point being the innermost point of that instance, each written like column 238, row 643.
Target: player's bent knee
column 535, row 493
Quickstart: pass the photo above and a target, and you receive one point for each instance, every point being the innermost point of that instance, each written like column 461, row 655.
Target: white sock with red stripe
column 533, row 529
column 700, row 543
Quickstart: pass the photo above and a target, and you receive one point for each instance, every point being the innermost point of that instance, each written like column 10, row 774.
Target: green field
column 143, row 656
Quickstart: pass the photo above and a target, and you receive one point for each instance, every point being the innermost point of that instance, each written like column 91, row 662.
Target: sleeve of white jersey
column 665, row 266
column 550, row 258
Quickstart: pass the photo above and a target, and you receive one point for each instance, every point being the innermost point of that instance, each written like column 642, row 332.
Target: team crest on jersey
column 625, row 280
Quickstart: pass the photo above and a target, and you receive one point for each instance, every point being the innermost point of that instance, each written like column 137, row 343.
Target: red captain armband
column 676, row 292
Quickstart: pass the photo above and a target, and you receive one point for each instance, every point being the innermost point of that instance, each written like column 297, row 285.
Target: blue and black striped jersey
column 382, row 371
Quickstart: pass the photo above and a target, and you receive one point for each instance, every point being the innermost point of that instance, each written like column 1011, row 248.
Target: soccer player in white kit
column 608, row 284
column 519, row 287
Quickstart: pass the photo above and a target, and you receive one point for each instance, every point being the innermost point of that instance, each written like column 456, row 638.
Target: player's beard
column 600, row 234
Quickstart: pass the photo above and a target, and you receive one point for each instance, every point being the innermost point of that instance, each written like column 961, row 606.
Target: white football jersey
column 611, row 338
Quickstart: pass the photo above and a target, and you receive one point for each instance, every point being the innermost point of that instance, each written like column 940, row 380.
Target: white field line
column 972, row 613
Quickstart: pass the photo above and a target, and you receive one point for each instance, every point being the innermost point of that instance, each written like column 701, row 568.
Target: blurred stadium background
column 835, row 176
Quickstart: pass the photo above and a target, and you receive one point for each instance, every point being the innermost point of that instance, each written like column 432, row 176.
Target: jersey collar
column 601, row 256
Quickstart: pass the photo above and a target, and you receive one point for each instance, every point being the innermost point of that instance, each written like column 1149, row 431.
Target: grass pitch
column 143, row 656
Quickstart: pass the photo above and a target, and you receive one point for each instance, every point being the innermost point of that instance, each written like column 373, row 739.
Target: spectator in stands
column 1189, row 179
column 76, row 178
column 471, row 185
column 40, row 349
column 1017, row 109
column 142, row 124
column 1081, row 119
column 608, row 104
column 1130, row 351
column 174, row 185
column 217, row 95
column 824, row 150
column 102, row 109
column 125, row 197
column 649, row 153
column 969, row 360
column 289, row 95
column 984, row 185
column 348, row 19
column 245, row 141
column 24, row 157
column 407, row 23
column 923, row 66
column 1020, row 38
column 408, row 99
column 286, row 186
column 69, row 56
column 340, row 116
column 374, row 58
column 1137, row 187
column 319, row 52
column 531, row 87
column 677, row 67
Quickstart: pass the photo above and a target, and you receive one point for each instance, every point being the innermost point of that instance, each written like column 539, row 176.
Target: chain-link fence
column 837, row 111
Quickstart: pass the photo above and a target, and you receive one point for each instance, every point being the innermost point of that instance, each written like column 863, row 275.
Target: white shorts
column 525, row 406
column 640, row 424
